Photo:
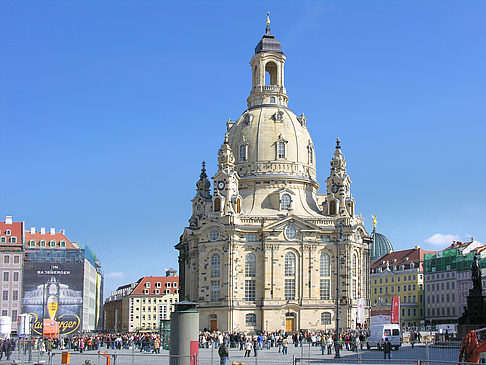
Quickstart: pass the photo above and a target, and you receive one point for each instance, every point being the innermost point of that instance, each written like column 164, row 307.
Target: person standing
column 248, row 347
column 223, row 354
column 387, row 349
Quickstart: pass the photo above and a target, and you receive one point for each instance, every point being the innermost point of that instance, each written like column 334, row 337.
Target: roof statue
column 374, row 222
column 268, row 19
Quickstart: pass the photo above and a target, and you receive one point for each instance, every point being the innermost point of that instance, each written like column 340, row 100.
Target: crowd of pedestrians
column 250, row 344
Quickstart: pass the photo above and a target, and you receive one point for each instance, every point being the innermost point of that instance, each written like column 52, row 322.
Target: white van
column 380, row 332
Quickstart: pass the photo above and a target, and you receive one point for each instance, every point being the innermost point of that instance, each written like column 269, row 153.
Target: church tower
column 260, row 252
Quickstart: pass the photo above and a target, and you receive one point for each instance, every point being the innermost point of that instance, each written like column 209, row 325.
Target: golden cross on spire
column 268, row 18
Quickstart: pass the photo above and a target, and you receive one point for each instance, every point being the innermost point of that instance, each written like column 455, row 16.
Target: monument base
column 474, row 316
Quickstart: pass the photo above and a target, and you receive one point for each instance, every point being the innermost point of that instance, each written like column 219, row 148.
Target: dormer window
column 32, row 243
column 13, row 239
column 43, row 243
column 62, row 244
column 8, row 232
column 174, row 285
column 53, row 243
column 147, row 285
column 168, row 285
column 280, row 149
column 285, row 201
column 3, row 239
column 243, row 152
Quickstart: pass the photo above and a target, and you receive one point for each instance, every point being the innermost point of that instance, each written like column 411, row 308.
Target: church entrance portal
column 290, row 322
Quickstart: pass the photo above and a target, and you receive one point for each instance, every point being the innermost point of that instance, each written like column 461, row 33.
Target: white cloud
column 441, row 239
column 115, row 275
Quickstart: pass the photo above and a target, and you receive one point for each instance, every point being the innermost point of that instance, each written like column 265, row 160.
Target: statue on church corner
column 476, row 274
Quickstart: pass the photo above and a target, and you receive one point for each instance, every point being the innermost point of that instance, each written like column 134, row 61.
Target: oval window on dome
column 214, row 234
column 290, row 232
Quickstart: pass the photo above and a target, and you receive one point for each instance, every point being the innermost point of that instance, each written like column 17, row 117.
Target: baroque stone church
column 260, row 250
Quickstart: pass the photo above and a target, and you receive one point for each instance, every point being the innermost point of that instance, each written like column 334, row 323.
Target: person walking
column 285, row 345
column 223, row 354
column 387, row 349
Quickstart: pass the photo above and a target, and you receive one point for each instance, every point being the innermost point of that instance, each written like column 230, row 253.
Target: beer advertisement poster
column 54, row 291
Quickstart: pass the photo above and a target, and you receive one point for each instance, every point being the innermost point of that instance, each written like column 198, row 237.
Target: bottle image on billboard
column 52, row 298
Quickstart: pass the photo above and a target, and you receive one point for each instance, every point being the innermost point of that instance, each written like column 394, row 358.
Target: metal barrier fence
column 315, row 361
column 420, row 354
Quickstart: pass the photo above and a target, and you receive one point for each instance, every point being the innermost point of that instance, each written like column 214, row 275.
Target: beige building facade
column 260, row 251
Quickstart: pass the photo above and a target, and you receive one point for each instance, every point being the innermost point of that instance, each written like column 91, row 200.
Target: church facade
column 261, row 248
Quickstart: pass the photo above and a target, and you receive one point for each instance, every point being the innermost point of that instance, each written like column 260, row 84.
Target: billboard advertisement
column 54, row 291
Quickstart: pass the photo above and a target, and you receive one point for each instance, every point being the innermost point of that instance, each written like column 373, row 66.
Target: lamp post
column 339, row 238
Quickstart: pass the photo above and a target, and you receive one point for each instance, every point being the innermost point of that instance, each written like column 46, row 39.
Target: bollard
column 184, row 334
column 66, row 357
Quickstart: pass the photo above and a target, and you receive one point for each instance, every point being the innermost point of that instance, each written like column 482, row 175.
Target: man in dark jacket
column 387, row 349
column 223, row 354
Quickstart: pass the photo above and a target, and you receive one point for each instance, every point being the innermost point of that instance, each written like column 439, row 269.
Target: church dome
column 271, row 140
column 380, row 246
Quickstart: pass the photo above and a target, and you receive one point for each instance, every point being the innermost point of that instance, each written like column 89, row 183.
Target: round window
column 290, row 232
column 214, row 234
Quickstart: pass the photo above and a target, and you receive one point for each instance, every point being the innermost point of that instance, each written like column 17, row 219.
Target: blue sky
column 107, row 109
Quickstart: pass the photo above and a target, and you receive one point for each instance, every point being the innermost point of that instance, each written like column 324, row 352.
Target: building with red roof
column 143, row 305
column 399, row 273
column 11, row 252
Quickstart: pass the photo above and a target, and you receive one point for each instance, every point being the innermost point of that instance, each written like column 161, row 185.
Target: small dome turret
column 380, row 246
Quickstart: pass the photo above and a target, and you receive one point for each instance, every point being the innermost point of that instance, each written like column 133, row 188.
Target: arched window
column 270, row 73
column 325, row 318
column 285, row 201
column 250, row 265
column 290, row 264
column 217, row 204
column 250, row 274
column 243, row 152
column 325, row 265
column 215, row 265
column 250, row 320
column 354, row 276
column 325, row 277
column 332, row 207
column 280, row 149
column 272, row 99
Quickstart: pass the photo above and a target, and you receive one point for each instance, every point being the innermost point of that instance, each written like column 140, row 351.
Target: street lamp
column 339, row 238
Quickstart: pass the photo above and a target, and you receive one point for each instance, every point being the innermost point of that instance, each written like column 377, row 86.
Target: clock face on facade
column 335, row 188
column 221, row 185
